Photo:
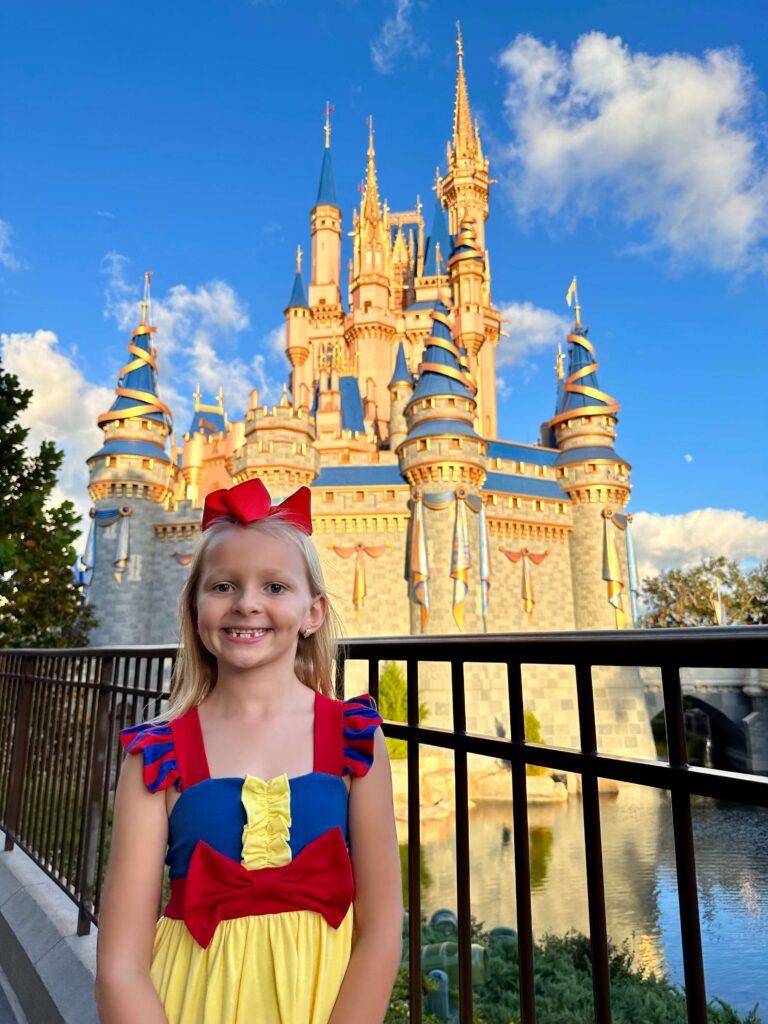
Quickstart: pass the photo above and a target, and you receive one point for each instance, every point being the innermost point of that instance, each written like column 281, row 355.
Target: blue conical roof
column 580, row 355
column 298, row 294
column 401, row 373
column 326, row 192
column 441, row 372
column 141, row 378
column 437, row 236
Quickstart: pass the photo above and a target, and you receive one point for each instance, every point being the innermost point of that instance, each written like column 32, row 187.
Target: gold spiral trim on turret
column 149, row 403
column 571, row 386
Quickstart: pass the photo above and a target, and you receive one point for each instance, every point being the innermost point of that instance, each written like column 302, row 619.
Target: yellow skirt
column 267, row 969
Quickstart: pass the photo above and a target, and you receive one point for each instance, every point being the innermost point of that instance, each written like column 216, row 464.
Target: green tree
column 40, row 606
column 684, row 597
column 393, row 705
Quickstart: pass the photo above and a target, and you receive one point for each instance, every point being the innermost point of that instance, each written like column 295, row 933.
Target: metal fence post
column 97, row 768
column 20, row 751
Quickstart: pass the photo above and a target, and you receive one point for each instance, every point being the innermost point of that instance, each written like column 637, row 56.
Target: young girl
column 270, row 801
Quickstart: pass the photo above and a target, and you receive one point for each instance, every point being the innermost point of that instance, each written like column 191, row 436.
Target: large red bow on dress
column 250, row 501
column 218, row 889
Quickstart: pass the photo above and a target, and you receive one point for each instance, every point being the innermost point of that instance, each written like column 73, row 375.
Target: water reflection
column 641, row 890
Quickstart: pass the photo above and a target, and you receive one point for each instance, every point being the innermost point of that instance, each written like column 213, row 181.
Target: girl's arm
column 367, row 986
column 130, row 903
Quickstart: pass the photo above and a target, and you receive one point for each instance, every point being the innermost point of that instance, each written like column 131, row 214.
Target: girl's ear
column 318, row 609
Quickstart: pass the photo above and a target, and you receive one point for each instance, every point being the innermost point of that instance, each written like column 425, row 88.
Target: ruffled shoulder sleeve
column 154, row 741
column 360, row 721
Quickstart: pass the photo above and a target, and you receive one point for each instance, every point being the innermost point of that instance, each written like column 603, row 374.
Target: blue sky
column 628, row 141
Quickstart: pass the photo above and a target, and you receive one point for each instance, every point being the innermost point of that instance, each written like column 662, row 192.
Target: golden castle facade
column 425, row 519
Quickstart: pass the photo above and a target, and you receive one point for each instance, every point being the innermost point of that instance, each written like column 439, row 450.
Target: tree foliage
column 40, row 606
column 393, row 705
column 684, row 597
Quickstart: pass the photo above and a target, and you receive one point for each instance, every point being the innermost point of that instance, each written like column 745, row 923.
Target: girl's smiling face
column 254, row 600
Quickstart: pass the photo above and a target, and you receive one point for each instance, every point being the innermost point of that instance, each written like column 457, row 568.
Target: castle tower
column 277, row 447
column 597, row 480
column 465, row 187
column 130, row 481
column 443, row 459
column 370, row 326
column 206, row 449
column 400, row 391
column 297, row 344
column 324, row 286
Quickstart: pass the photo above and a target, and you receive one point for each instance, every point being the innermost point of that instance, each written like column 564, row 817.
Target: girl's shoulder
column 154, row 742
column 360, row 719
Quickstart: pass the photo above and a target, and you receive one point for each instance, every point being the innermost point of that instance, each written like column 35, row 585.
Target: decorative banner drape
column 525, row 556
column 419, row 567
column 181, row 558
column 485, row 566
column 359, row 550
column 460, row 554
column 634, row 586
column 460, row 557
column 611, row 568
column 106, row 517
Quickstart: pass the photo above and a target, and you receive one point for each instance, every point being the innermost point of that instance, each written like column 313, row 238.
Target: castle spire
column 298, row 299
column 371, row 210
column 136, row 392
column 464, row 138
column 326, row 190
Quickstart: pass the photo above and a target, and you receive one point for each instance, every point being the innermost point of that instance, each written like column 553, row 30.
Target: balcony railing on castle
column 61, row 710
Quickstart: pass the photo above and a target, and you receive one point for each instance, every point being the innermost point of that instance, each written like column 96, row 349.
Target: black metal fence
column 60, row 712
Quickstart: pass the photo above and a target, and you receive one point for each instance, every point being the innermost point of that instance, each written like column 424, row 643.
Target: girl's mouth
column 245, row 635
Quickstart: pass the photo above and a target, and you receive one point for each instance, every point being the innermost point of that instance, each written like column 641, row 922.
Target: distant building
column 426, row 521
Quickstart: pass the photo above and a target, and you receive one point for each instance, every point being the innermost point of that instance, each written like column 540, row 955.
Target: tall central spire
column 371, row 210
column 464, row 142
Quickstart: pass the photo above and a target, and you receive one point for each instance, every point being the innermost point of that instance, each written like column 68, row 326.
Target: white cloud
column 396, row 36
column 7, row 258
column 688, row 457
column 670, row 141
column 531, row 330
column 198, row 332
column 63, row 408
column 667, row 542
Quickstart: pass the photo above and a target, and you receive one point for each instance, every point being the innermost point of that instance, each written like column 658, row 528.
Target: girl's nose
column 248, row 600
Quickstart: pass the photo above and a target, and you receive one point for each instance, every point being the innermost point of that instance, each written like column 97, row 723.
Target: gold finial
column 572, row 297
column 370, row 136
column 145, row 301
column 197, row 396
column 299, row 254
column 560, row 362
column 418, row 207
column 220, row 398
column 328, row 112
column 459, row 44
column 284, row 400
column 438, row 183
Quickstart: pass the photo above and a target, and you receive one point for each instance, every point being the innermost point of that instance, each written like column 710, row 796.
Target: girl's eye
column 276, row 588
column 222, row 588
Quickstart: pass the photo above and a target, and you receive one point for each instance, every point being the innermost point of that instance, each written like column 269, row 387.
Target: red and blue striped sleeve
column 360, row 721
column 154, row 741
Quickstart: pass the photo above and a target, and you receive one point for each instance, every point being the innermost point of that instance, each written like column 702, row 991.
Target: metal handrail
column 60, row 712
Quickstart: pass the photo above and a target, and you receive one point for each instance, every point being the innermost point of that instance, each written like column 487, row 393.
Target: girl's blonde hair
column 194, row 675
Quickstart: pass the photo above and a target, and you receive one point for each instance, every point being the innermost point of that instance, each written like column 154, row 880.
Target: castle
column 425, row 520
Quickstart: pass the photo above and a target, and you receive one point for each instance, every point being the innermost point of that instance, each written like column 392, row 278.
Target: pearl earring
column 307, row 633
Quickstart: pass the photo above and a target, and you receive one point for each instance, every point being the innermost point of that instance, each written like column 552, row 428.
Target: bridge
column 60, row 712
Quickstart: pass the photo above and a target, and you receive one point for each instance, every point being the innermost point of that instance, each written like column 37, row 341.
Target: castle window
column 562, row 472
column 146, row 425
column 591, row 467
column 359, row 495
column 452, row 403
column 321, row 302
column 390, row 495
column 537, row 506
column 422, row 444
column 367, row 306
column 328, row 496
column 344, row 458
column 109, row 461
column 454, row 443
column 145, row 464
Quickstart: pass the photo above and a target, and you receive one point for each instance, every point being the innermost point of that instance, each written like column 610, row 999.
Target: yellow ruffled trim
column 267, row 830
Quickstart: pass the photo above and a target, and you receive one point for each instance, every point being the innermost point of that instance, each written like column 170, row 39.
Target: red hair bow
column 249, row 501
